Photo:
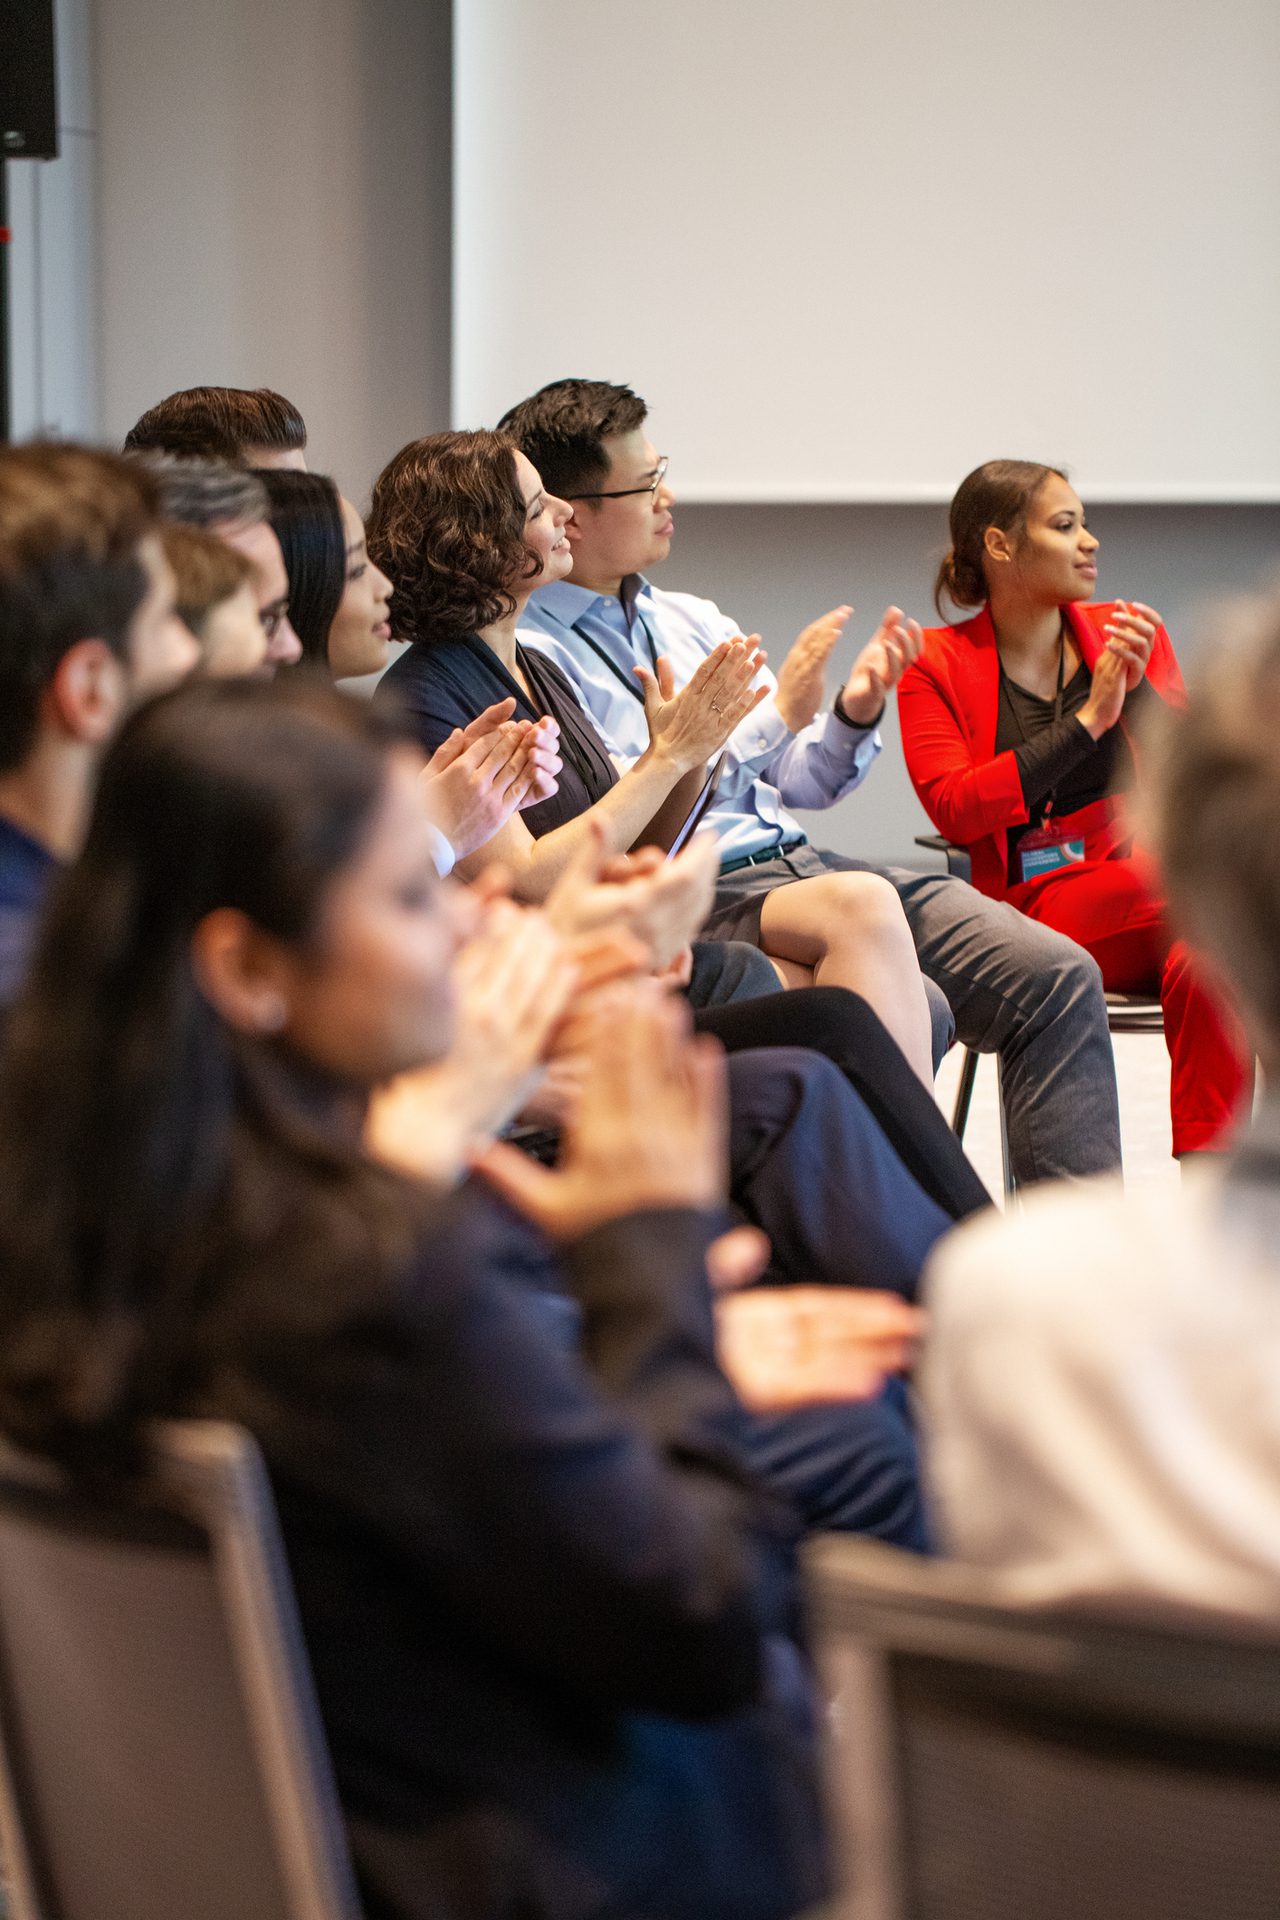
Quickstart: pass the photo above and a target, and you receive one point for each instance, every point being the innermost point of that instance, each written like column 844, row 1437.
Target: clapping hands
column 892, row 648
column 802, row 677
column 648, row 1130
column 660, row 903
column 484, row 773
column 1131, row 633
column 686, row 728
column 513, row 981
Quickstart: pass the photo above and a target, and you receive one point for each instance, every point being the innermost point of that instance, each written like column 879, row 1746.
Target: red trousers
column 1111, row 906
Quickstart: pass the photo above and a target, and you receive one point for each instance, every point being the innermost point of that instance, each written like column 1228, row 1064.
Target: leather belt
column 765, row 854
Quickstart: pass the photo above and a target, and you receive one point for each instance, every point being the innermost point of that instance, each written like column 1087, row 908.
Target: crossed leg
column 850, row 929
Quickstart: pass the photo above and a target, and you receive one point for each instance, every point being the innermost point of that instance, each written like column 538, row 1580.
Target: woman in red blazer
column 1017, row 730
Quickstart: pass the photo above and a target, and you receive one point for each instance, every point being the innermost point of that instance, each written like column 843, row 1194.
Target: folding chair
column 993, row 1762
column 161, row 1756
column 1126, row 1013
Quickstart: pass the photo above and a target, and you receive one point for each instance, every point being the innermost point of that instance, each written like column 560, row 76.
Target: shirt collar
column 566, row 602
column 635, row 588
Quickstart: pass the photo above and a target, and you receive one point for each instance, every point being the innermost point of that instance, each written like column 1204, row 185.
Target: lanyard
column 1011, row 703
column 627, row 681
column 537, row 697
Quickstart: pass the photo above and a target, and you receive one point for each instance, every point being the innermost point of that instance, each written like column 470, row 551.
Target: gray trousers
column 1013, row 988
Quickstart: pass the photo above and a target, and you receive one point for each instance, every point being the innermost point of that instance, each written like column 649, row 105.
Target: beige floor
column 1142, row 1074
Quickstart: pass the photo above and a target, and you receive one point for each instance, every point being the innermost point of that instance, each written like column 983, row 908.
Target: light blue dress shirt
column 597, row 639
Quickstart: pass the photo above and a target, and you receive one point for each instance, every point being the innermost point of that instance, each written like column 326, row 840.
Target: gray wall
column 275, row 212
column 53, row 260
column 259, row 193
column 773, row 568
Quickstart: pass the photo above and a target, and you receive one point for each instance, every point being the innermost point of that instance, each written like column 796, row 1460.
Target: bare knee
column 868, row 907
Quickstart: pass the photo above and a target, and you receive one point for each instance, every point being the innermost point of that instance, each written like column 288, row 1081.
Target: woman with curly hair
column 463, row 527
column 465, row 530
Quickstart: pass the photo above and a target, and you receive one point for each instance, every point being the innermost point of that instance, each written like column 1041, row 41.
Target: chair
column 988, row 1762
column 161, row 1756
column 1126, row 1013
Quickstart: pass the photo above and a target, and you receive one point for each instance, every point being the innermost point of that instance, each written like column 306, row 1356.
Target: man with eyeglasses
column 1013, row 988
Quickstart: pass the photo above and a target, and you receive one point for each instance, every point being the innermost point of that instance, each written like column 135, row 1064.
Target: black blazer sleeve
column 433, row 693
column 585, row 1511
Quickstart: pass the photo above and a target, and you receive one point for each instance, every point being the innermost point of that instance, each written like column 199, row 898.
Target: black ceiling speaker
column 28, row 112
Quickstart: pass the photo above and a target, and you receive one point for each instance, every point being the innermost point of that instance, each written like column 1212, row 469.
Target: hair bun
column 947, row 586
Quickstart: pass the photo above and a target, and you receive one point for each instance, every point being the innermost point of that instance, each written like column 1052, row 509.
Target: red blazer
column 947, row 703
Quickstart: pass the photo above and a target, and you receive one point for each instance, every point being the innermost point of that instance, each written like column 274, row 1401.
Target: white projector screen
column 848, row 250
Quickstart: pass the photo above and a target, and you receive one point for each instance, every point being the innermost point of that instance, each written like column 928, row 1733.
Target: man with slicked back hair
column 251, row 426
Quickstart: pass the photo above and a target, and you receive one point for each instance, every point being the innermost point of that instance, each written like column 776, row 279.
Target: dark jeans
column 809, row 1164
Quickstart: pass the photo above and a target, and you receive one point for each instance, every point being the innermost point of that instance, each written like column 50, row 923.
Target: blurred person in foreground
column 552, row 1617
column 87, row 631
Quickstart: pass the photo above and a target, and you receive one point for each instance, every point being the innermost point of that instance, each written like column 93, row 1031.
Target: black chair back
column 162, row 1756
column 990, row 1762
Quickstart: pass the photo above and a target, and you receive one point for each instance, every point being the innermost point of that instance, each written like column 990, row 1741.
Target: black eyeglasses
column 625, row 493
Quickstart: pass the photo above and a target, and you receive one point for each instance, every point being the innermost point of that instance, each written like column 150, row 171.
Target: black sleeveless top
column 445, row 684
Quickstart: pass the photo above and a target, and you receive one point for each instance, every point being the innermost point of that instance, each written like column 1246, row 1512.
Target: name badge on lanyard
column 1046, row 848
column 1049, row 846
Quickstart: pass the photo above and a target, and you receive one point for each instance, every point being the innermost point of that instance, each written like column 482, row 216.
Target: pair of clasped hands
column 563, row 1015
column 1130, row 636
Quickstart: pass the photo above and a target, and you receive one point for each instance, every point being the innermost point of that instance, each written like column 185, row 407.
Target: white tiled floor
column 1142, row 1073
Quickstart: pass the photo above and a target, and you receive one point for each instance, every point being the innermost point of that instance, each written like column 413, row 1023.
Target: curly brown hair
column 446, row 525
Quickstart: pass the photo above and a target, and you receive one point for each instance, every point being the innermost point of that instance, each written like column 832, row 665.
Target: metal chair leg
column 964, row 1100
column 964, row 1092
column 1010, row 1184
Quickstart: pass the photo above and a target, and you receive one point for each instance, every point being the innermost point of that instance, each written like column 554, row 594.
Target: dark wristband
column 859, row 726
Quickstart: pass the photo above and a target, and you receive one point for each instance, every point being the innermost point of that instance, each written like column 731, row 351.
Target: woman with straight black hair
column 339, row 602
column 549, row 1615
